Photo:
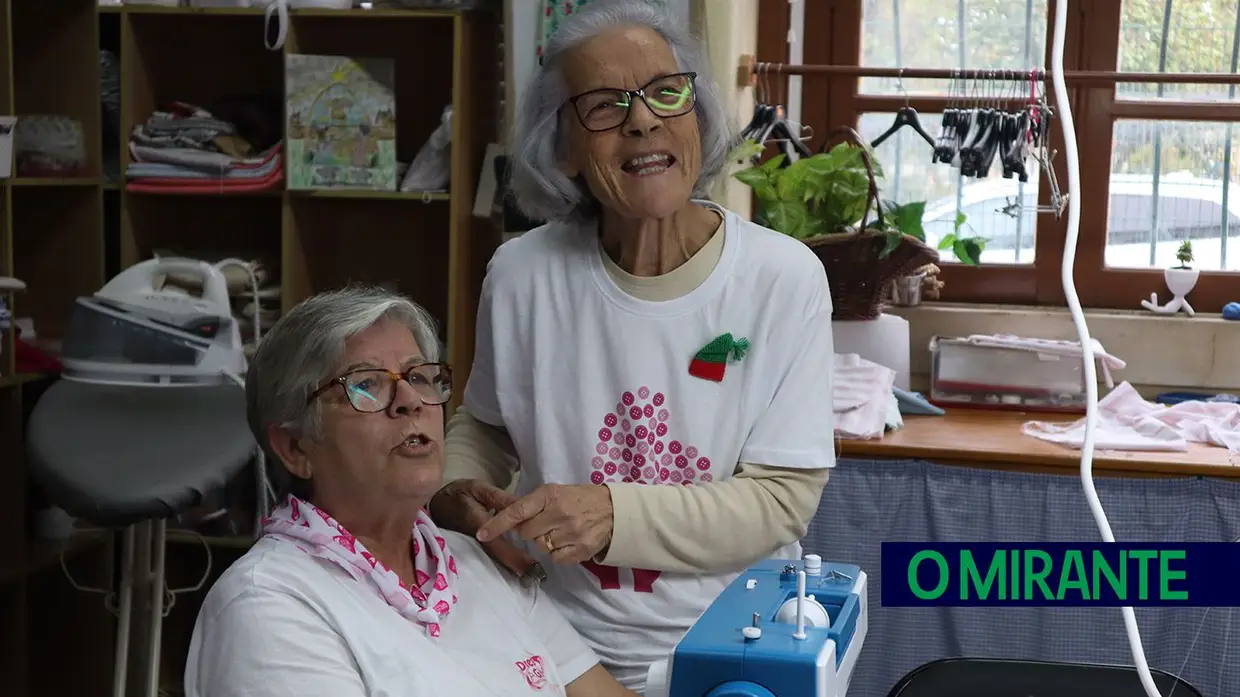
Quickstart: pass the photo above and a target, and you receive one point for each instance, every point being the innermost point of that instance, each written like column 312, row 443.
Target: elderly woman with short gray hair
column 352, row 591
column 657, row 368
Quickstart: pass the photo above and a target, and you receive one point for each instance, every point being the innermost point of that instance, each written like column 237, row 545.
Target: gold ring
column 549, row 544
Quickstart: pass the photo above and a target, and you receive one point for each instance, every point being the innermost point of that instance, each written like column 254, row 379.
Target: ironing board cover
column 554, row 12
column 114, row 455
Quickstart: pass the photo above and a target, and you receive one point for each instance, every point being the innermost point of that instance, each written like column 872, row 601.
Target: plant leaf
column 894, row 238
column 746, row 151
column 788, row 217
column 773, row 165
column 762, row 186
column 948, row 242
column 969, row 250
column 907, row 218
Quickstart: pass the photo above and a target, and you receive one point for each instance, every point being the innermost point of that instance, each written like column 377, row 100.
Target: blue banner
column 1077, row 574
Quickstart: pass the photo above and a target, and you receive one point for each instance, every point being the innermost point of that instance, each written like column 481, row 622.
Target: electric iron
column 132, row 332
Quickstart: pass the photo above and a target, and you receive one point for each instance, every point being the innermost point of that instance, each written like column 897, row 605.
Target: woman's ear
column 295, row 459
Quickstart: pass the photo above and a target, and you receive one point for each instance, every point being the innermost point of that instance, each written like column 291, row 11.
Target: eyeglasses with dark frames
column 372, row 390
column 667, row 97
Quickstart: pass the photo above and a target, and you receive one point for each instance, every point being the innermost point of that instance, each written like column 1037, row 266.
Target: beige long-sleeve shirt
column 668, row 528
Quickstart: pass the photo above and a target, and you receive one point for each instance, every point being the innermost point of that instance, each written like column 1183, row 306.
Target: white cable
column 248, row 267
column 1082, row 329
column 266, row 493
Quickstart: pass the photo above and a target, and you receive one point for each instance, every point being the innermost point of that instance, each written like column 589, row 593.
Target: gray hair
column 301, row 350
column 539, row 187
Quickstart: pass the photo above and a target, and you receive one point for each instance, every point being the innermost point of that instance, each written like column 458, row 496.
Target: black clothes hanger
column 755, row 124
column 789, row 141
column 768, row 124
column 905, row 116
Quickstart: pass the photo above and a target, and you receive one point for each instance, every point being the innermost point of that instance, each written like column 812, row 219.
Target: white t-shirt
column 282, row 623
column 593, row 385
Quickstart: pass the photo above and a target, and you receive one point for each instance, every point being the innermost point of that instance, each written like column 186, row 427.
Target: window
column 1159, row 160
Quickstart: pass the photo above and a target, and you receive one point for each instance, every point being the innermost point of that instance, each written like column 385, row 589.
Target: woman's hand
column 572, row 522
column 466, row 505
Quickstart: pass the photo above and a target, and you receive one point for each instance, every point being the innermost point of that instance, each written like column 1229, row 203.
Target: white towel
column 861, row 395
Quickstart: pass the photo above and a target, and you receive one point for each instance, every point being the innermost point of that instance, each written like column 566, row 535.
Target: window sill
column 1162, row 352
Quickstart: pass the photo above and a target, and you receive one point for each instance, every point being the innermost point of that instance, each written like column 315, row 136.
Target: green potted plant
column 1183, row 278
column 826, row 202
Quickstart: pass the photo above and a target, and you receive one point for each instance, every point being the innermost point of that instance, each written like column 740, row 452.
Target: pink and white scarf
column 319, row 535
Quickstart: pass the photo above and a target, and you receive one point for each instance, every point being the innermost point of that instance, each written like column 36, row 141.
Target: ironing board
column 120, row 457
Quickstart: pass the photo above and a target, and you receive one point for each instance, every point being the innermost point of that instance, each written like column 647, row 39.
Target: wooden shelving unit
column 66, row 237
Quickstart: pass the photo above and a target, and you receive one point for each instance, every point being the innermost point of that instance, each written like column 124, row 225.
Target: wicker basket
column 860, row 277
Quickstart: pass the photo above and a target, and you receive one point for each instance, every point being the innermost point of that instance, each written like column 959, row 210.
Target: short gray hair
column 301, row 350
column 539, row 187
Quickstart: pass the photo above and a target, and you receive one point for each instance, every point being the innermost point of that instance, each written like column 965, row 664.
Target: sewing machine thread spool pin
column 799, row 634
column 757, row 619
column 813, row 565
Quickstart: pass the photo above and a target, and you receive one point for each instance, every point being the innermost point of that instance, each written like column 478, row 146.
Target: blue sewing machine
column 781, row 629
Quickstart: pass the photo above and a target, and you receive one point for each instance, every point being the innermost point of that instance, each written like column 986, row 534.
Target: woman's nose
column 641, row 121
column 405, row 399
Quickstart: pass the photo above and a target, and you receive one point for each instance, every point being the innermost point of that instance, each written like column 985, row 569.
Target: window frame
column 833, row 100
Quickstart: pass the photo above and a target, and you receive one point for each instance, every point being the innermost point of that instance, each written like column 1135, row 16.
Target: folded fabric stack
column 187, row 150
column 864, row 404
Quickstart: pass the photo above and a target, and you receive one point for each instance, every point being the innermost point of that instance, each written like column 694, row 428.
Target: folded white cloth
column 1128, row 422
column 1052, row 347
column 862, row 396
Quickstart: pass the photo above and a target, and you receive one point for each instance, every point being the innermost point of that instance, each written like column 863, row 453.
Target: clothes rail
column 750, row 69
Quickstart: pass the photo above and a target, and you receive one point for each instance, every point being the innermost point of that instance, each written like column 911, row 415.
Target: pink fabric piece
column 1127, row 422
column 318, row 534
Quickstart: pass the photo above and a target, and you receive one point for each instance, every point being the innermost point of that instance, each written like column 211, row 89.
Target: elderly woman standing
column 353, row 591
column 657, row 368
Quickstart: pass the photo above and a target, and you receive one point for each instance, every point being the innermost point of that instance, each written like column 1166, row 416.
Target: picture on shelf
column 341, row 130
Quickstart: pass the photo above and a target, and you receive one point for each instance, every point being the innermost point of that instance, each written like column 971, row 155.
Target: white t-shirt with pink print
column 595, row 386
column 284, row 623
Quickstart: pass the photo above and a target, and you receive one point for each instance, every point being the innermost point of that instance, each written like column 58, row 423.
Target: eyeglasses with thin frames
column 667, row 97
column 372, row 390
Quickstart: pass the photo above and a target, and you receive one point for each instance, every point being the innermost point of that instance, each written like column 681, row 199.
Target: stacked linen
column 864, row 404
column 187, row 150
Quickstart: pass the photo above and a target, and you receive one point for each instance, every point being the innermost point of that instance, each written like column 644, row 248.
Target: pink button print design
column 636, row 444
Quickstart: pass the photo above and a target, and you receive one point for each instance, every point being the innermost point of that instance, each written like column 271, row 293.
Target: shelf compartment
column 177, row 57
column 331, row 243
column 58, row 252
column 248, row 227
column 55, row 54
column 421, row 52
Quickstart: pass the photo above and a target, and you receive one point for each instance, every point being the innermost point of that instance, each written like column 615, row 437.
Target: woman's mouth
column 416, row 445
column 646, row 165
